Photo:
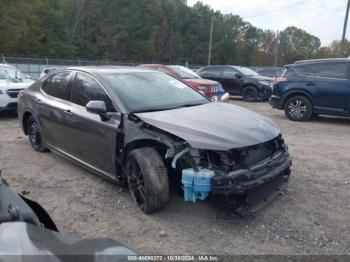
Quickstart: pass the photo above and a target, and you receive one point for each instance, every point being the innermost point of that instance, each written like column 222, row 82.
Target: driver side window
column 85, row 89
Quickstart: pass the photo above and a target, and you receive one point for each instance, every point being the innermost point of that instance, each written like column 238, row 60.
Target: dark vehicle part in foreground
column 313, row 87
column 27, row 230
column 171, row 136
column 241, row 81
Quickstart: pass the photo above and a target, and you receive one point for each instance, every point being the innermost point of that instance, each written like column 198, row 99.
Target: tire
column 298, row 108
column 250, row 93
column 147, row 179
column 35, row 135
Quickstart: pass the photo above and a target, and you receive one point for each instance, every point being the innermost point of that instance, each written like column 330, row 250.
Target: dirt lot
column 312, row 217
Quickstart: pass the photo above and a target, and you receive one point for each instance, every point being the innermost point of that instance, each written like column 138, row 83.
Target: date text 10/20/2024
column 174, row 258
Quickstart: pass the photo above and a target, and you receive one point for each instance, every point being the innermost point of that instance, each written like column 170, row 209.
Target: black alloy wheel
column 250, row 94
column 147, row 179
column 35, row 135
column 136, row 183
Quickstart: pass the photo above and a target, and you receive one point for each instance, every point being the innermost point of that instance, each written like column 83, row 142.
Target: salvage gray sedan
column 150, row 131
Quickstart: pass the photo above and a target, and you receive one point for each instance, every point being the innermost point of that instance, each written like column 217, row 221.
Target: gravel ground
column 312, row 217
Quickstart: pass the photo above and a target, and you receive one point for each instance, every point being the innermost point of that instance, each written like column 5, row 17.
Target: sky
column 322, row 18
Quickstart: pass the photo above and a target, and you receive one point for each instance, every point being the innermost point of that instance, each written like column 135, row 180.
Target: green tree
column 296, row 44
column 165, row 31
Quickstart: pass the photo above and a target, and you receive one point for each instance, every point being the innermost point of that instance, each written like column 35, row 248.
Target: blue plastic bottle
column 197, row 185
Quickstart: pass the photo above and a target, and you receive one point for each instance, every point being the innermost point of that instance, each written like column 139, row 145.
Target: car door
column 93, row 141
column 331, row 85
column 232, row 80
column 52, row 107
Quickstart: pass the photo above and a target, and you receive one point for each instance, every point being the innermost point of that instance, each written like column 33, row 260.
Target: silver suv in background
column 12, row 81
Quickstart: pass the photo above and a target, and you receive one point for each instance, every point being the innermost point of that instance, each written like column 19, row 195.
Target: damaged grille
column 243, row 157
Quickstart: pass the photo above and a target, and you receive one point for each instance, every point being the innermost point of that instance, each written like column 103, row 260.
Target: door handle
column 68, row 112
column 309, row 84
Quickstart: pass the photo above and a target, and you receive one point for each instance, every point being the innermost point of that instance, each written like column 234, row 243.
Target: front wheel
column 250, row 93
column 298, row 108
column 147, row 179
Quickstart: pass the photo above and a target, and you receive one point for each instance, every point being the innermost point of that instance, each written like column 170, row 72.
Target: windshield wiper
column 189, row 105
column 151, row 110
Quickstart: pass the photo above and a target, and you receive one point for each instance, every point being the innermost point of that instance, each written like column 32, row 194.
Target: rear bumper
column 253, row 188
column 276, row 102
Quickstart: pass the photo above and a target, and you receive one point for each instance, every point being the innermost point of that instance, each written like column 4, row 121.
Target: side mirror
column 99, row 108
column 238, row 76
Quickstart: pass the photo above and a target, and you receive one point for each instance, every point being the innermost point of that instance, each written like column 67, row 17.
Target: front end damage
column 246, row 179
column 243, row 165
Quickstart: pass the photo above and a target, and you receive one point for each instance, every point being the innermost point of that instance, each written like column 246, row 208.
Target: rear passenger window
column 211, row 72
column 332, row 70
column 58, row 85
column 85, row 88
column 306, row 70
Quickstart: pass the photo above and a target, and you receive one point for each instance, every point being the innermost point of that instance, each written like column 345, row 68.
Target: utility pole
column 344, row 28
column 211, row 39
column 276, row 50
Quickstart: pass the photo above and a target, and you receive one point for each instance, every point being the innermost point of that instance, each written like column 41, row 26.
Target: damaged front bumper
column 248, row 190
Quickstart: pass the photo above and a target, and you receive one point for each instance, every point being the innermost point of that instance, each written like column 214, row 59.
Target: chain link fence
column 34, row 66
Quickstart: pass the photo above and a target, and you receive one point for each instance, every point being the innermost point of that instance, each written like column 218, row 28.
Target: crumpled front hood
column 214, row 126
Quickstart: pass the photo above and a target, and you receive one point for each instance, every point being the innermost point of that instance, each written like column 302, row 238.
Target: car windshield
column 152, row 91
column 184, row 72
column 247, row 71
column 11, row 73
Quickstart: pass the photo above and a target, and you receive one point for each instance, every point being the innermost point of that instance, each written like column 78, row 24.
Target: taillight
column 280, row 79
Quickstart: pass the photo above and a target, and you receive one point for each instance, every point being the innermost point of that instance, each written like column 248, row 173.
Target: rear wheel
column 250, row 93
column 298, row 108
column 147, row 179
column 35, row 135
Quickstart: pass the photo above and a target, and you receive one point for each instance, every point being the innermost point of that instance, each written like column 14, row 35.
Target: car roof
column 109, row 69
column 322, row 60
column 218, row 66
column 213, row 66
column 160, row 65
column 153, row 65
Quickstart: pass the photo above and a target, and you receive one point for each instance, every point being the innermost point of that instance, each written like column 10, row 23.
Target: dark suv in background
column 313, row 87
column 241, row 81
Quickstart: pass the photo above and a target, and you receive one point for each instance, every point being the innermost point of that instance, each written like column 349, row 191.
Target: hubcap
column 136, row 183
column 297, row 109
column 34, row 135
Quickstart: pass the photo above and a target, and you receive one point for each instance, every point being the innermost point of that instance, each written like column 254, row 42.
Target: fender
column 296, row 92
